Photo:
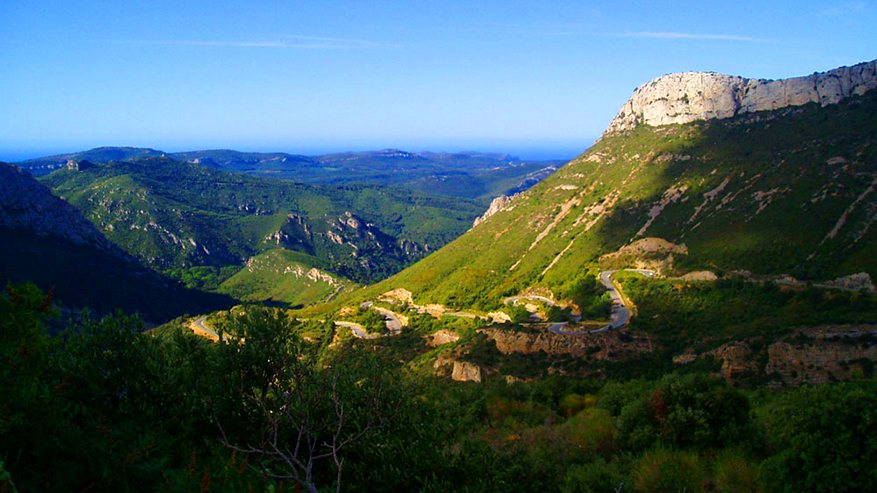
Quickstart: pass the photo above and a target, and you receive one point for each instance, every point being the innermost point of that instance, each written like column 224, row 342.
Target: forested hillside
column 174, row 215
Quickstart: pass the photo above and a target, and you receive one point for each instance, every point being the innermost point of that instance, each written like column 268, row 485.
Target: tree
column 687, row 411
column 825, row 438
column 309, row 411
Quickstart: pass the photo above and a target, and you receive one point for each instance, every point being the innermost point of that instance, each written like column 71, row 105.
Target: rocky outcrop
column 613, row 345
column 25, row 203
column 859, row 281
column 442, row 337
column 689, row 96
column 461, row 371
column 79, row 164
column 501, row 203
column 737, row 361
column 648, row 245
column 466, row 372
column 647, row 253
column 812, row 355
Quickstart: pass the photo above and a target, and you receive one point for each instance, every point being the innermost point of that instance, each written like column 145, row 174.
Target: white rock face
column 466, row 372
column 498, row 204
column 690, row 96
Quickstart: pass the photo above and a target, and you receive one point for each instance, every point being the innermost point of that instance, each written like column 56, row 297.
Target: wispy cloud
column 694, row 36
column 529, row 30
column 844, row 9
column 570, row 29
column 283, row 41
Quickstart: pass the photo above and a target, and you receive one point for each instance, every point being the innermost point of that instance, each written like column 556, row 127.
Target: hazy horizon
column 341, row 75
column 536, row 150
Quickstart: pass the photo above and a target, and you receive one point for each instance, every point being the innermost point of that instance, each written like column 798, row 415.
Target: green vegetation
column 464, row 175
column 205, row 277
column 683, row 313
column 283, row 276
column 84, row 276
column 174, row 216
column 109, row 408
column 290, row 400
column 767, row 174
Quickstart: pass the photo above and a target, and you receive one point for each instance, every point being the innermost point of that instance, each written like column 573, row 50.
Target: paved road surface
column 620, row 314
column 394, row 325
column 358, row 330
column 515, row 299
column 199, row 322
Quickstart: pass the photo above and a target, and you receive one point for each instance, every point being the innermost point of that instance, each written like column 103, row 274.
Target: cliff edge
column 690, row 96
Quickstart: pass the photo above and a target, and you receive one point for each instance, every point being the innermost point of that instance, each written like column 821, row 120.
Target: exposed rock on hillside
column 466, row 372
column 859, row 280
column 461, row 371
column 647, row 253
column 25, row 203
column 613, row 345
column 649, row 245
column 46, row 241
column 690, row 96
column 79, row 164
column 498, row 204
column 809, row 355
column 442, row 337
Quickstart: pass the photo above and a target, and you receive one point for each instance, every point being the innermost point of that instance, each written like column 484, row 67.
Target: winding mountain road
column 394, row 325
column 620, row 314
column 199, row 324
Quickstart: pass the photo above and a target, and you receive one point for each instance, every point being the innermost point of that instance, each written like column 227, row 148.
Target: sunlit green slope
column 286, row 277
column 788, row 191
column 176, row 215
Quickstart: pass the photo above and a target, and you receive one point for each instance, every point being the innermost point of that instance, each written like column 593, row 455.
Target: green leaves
column 824, row 439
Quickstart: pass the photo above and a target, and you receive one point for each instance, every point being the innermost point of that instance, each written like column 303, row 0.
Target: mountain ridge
column 732, row 189
column 173, row 214
column 689, row 96
column 48, row 242
column 25, row 203
column 469, row 174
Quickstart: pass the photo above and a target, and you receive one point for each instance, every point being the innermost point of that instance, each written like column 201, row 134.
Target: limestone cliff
column 613, row 345
column 809, row 355
column 690, row 96
column 501, row 203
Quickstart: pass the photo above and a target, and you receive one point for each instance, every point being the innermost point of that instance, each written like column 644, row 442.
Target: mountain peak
column 689, row 96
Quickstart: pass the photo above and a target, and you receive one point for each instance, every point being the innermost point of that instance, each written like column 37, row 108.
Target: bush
column 825, row 439
column 688, row 411
column 671, row 471
column 734, row 473
column 596, row 477
column 594, row 429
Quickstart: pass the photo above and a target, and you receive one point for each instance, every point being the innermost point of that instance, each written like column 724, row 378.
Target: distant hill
column 45, row 165
column 173, row 214
column 46, row 241
column 466, row 174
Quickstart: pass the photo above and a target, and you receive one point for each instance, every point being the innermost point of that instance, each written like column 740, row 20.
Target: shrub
column 594, row 429
column 671, row 471
column 595, row 477
column 825, row 438
column 734, row 473
column 687, row 411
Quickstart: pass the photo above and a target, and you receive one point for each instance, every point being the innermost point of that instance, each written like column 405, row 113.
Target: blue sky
column 537, row 78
